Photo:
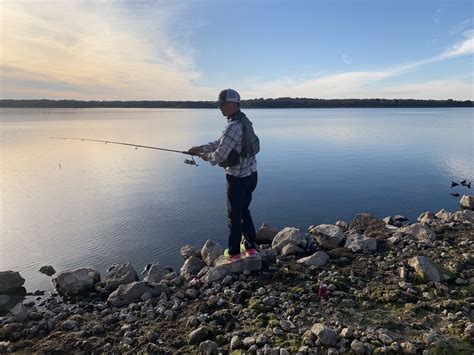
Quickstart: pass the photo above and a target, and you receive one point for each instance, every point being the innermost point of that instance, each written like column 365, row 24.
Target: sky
column 190, row 50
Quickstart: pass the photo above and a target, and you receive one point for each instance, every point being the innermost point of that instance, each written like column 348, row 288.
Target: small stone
column 357, row 347
column 152, row 336
column 269, row 301
column 428, row 338
column 129, row 334
column 408, row 348
column 285, row 325
column 192, row 293
column 327, row 336
column 98, row 330
column 235, row 342
column 69, row 325
column 469, row 330
column 248, row 342
column 346, row 333
column 403, row 272
column 467, row 201
column 47, row 270
column 208, row 347
column 150, row 314
column 130, row 318
column 169, row 314
column 261, row 340
column 146, row 296
column 197, row 335
column 152, row 348
column 319, row 258
column 385, row 338
column 261, row 291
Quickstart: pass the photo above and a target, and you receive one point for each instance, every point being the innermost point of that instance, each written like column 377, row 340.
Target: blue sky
column 190, row 50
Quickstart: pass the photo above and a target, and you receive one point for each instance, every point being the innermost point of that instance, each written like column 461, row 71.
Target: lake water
column 112, row 203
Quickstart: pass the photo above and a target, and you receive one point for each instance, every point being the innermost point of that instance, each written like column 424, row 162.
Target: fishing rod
column 186, row 161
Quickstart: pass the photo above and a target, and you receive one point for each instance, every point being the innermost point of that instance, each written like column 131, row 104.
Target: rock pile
column 392, row 288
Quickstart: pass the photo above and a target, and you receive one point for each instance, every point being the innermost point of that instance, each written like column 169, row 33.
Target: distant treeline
column 282, row 102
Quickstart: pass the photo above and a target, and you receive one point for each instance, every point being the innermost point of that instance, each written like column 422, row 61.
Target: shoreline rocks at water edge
column 392, row 287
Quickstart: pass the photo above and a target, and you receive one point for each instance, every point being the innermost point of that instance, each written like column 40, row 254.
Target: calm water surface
column 114, row 204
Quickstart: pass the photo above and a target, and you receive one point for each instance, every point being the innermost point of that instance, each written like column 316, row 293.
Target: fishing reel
column 190, row 161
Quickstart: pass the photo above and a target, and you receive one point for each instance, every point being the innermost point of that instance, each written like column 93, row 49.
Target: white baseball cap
column 229, row 95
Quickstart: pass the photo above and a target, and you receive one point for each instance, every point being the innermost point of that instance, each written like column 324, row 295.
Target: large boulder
column 192, row 266
column 426, row 217
column 419, row 231
column 211, row 251
column 132, row 292
column 155, row 273
column 268, row 255
column 20, row 312
column 266, row 234
column 223, row 267
column 328, row 235
column 319, row 258
column 288, row 235
column 188, row 251
column 443, row 215
column 8, row 301
column 291, row 249
column 428, row 270
column 358, row 243
column 463, row 216
column 119, row 274
column 467, row 202
column 75, row 282
column 10, row 281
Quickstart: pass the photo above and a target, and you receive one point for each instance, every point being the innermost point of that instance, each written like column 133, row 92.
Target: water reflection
column 112, row 203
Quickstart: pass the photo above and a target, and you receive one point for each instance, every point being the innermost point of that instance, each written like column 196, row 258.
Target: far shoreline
column 279, row 103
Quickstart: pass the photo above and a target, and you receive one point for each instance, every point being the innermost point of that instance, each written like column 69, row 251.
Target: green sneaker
column 233, row 257
column 242, row 250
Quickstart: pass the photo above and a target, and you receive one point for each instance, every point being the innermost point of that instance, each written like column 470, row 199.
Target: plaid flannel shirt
column 219, row 150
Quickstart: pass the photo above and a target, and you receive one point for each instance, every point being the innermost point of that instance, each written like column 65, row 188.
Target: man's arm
column 231, row 136
column 206, row 148
column 209, row 147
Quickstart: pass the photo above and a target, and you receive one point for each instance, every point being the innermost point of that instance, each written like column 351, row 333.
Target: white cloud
column 93, row 50
column 465, row 47
column 354, row 84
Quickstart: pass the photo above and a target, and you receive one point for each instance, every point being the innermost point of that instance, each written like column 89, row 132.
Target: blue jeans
column 239, row 196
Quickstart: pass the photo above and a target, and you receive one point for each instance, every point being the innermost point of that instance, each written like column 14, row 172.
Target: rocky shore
column 371, row 286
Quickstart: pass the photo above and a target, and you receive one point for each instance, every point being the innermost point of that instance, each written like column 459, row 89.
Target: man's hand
column 204, row 156
column 194, row 150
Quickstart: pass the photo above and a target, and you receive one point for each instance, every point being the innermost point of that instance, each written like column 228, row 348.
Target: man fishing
column 235, row 151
